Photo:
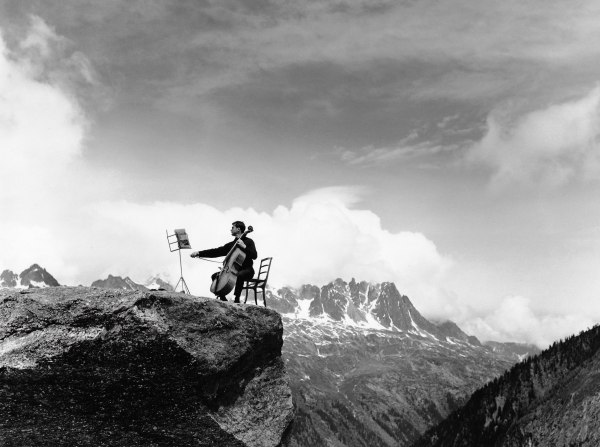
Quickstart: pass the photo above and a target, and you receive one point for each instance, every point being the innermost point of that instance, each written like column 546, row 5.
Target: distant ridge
column 32, row 277
column 119, row 283
column 116, row 282
column 551, row 399
column 36, row 276
column 157, row 283
column 362, row 304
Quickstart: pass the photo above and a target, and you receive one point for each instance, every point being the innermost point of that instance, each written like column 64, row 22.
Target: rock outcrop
column 92, row 367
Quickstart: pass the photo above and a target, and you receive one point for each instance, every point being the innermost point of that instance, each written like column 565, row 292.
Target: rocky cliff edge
column 92, row 367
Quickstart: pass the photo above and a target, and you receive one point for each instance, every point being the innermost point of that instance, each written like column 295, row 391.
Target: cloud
column 60, row 212
column 547, row 147
column 43, row 179
column 464, row 51
column 316, row 72
column 426, row 30
column 40, row 37
column 428, row 145
column 56, row 212
column 378, row 156
column 320, row 237
column 213, row 44
column 514, row 320
column 41, row 128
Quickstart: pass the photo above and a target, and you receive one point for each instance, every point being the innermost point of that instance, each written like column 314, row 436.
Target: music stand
column 183, row 242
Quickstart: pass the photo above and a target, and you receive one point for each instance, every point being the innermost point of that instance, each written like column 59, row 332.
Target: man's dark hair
column 239, row 224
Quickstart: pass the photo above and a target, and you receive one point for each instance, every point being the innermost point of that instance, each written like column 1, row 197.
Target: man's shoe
column 237, row 300
column 222, row 298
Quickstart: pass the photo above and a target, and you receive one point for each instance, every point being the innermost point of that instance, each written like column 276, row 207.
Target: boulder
column 93, row 367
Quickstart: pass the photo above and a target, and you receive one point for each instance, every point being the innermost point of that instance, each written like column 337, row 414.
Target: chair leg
column 264, row 297
column 246, row 297
column 255, row 297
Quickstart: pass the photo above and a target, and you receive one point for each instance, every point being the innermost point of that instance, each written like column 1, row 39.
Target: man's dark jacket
column 250, row 251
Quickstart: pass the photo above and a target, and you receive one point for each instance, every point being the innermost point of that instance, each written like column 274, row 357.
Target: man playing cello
column 246, row 271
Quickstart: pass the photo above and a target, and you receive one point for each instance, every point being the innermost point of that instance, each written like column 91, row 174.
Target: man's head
column 237, row 228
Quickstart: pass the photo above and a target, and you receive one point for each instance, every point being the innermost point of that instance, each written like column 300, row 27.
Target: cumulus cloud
column 319, row 237
column 58, row 211
column 42, row 130
column 514, row 320
column 42, row 126
column 546, row 147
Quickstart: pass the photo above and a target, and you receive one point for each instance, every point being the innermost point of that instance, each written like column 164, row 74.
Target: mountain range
column 38, row 277
column 34, row 276
column 367, row 369
column 117, row 282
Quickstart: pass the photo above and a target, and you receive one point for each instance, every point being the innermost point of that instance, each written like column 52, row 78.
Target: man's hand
column 241, row 243
column 194, row 255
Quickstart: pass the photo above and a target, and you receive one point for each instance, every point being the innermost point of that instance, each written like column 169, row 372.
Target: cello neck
column 248, row 230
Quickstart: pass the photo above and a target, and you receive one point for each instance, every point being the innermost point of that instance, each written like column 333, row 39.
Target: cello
column 224, row 280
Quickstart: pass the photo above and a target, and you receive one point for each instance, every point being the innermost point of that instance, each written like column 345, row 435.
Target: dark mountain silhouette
column 32, row 277
column 9, row 279
column 551, row 399
column 37, row 276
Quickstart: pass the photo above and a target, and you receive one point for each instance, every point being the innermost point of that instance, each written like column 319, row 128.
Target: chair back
column 265, row 267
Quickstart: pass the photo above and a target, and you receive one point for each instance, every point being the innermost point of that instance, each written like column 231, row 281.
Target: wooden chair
column 260, row 282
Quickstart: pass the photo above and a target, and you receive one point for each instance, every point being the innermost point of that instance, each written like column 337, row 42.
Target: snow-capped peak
column 364, row 305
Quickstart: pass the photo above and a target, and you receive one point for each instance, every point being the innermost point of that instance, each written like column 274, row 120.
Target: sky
column 450, row 147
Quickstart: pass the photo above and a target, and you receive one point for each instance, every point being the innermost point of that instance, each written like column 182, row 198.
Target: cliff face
column 88, row 367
